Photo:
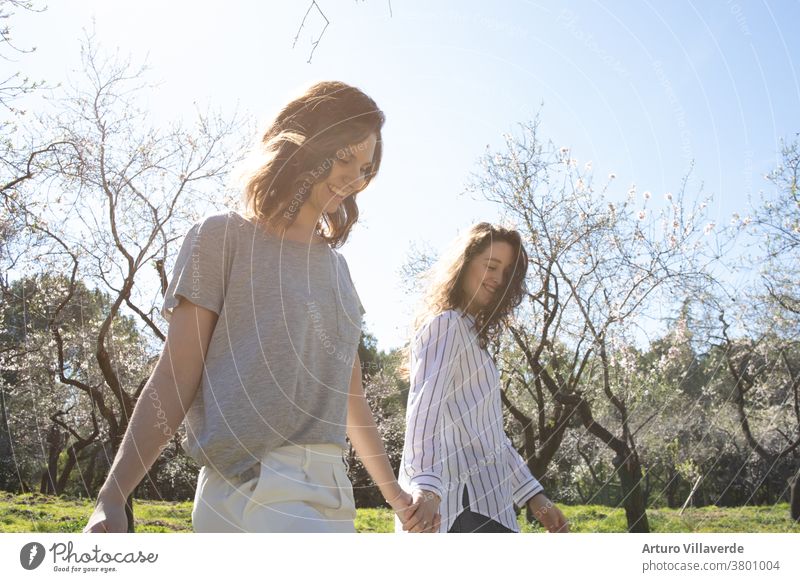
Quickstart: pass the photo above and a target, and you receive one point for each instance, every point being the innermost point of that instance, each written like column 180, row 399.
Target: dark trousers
column 470, row 522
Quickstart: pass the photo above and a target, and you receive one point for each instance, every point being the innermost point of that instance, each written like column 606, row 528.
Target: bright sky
column 638, row 88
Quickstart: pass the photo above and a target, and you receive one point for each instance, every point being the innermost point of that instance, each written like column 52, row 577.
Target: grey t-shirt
column 278, row 366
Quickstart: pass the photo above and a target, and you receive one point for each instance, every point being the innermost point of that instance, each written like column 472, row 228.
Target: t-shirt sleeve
column 352, row 286
column 360, row 306
column 199, row 272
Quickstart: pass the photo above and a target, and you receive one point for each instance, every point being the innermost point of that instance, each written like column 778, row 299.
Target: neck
column 471, row 310
column 303, row 228
column 306, row 223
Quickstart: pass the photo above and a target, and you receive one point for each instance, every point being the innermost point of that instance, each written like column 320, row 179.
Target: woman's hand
column 108, row 517
column 426, row 518
column 548, row 514
column 403, row 506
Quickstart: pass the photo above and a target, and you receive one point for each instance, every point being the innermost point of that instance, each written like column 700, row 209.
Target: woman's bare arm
column 159, row 411
column 369, row 447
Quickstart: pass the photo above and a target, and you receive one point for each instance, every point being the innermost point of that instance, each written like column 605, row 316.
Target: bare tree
column 778, row 218
column 313, row 13
column 23, row 154
column 597, row 267
column 122, row 195
column 16, row 85
column 759, row 322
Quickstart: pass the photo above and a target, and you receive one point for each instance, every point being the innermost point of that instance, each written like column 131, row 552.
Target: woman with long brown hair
column 264, row 324
column 457, row 460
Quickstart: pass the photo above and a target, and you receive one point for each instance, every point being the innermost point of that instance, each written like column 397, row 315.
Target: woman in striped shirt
column 460, row 467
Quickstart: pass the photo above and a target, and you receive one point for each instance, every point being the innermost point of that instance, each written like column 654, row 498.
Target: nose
column 499, row 278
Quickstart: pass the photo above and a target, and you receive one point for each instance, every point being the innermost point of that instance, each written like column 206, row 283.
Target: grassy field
column 42, row 513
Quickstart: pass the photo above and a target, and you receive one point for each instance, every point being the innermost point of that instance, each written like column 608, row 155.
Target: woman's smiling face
column 486, row 276
column 348, row 176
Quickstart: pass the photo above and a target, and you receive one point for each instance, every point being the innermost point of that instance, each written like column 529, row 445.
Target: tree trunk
column 55, row 443
column 630, row 474
column 795, row 498
column 89, row 476
column 7, row 483
column 129, row 514
column 72, row 459
column 672, row 488
column 43, row 482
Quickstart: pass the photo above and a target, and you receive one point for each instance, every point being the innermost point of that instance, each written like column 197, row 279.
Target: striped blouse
column 454, row 427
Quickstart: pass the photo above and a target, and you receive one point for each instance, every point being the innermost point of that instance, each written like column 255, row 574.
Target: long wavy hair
column 445, row 288
column 299, row 149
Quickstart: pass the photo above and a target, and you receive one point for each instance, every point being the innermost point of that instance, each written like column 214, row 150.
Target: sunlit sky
column 640, row 89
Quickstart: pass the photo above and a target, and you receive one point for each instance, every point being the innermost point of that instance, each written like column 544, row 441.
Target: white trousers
column 300, row 488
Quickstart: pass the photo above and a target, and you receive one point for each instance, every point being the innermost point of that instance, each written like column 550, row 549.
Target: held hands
column 548, row 514
column 401, row 504
column 108, row 517
column 423, row 515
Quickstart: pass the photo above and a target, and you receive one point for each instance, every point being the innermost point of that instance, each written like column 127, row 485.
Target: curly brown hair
column 446, row 290
column 299, row 148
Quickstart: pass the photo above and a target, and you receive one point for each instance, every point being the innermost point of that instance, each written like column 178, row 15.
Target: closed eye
column 365, row 169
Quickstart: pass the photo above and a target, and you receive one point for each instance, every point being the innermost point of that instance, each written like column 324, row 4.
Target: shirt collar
column 467, row 315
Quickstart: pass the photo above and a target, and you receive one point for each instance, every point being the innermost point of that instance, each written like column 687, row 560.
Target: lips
column 490, row 289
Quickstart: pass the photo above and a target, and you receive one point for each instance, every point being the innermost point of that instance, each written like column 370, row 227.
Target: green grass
column 33, row 512
column 42, row 513
column 374, row 520
column 748, row 519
